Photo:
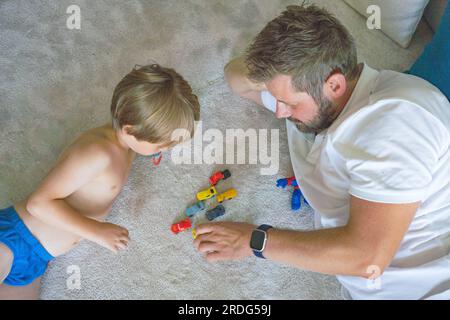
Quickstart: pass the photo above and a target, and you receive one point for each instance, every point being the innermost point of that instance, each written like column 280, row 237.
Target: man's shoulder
column 392, row 85
column 391, row 119
column 397, row 101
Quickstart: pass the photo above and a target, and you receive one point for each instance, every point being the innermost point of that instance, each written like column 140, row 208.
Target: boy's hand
column 111, row 236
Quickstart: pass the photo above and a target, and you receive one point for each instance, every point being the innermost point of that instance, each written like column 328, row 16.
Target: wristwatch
column 259, row 239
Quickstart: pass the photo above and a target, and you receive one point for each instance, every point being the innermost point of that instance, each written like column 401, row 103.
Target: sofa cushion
column 434, row 12
column 399, row 19
column 434, row 63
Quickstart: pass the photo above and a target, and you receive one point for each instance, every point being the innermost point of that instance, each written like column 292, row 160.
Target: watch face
column 258, row 240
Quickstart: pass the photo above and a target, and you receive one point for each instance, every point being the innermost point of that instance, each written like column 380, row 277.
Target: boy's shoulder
column 95, row 144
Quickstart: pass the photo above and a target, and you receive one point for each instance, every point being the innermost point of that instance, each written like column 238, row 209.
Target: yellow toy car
column 206, row 194
column 227, row 195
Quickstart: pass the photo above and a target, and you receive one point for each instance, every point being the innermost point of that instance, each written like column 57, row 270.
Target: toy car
column 227, row 195
column 195, row 208
column 156, row 158
column 215, row 213
column 296, row 201
column 181, row 226
column 297, row 195
column 206, row 194
column 282, row 183
column 219, row 175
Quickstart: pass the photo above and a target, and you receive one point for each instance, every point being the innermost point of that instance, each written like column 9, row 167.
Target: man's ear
column 335, row 86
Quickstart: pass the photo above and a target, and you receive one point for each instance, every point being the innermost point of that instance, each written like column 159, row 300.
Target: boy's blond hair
column 154, row 101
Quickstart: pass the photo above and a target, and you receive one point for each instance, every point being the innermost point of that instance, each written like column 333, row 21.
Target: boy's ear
column 126, row 129
column 335, row 86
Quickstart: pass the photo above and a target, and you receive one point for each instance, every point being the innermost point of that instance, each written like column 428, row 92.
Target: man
column 371, row 153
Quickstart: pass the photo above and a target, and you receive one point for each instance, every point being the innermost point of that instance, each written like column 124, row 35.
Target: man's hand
column 371, row 238
column 111, row 236
column 223, row 241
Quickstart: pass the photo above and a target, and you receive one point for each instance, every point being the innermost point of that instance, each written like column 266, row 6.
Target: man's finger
column 215, row 257
column 197, row 241
column 206, row 228
column 208, row 246
column 209, row 237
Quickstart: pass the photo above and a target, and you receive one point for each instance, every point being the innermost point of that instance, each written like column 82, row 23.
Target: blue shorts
column 30, row 257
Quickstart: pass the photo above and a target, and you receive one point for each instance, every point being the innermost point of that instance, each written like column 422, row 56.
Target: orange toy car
column 227, row 195
column 183, row 225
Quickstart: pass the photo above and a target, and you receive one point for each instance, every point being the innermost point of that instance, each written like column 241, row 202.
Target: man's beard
column 322, row 121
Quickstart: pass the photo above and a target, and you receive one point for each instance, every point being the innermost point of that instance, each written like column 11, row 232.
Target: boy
column 76, row 196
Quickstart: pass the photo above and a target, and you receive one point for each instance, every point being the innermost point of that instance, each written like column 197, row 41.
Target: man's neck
column 342, row 101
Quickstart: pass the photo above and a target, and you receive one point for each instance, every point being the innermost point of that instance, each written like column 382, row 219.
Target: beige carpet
column 55, row 83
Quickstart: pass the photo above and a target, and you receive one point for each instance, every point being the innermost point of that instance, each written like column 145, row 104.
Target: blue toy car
column 297, row 195
column 215, row 213
column 296, row 202
column 195, row 208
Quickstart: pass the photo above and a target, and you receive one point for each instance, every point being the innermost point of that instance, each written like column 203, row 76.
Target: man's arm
column 236, row 77
column 371, row 238
column 47, row 203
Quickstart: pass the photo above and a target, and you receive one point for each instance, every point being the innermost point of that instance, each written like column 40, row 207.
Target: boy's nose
column 283, row 111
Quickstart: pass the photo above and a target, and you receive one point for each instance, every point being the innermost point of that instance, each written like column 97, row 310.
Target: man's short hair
column 307, row 43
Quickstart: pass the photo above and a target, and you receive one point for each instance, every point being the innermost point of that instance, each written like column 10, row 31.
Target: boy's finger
column 124, row 241
column 121, row 246
column 124, row 238
column 113, row 249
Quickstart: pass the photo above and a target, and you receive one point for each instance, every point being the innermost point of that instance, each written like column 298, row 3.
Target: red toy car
column 183, row 225
column 219, row 175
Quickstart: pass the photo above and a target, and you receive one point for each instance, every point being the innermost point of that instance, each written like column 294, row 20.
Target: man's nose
column 283, row 111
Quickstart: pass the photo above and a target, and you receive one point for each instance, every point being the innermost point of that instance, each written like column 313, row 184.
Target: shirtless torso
column 94, row 199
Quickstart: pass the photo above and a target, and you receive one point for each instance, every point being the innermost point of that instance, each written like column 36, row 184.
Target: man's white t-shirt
column 390, row 144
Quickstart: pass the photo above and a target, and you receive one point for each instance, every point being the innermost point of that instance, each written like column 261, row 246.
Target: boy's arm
column 47, row 203
column 236, row 75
